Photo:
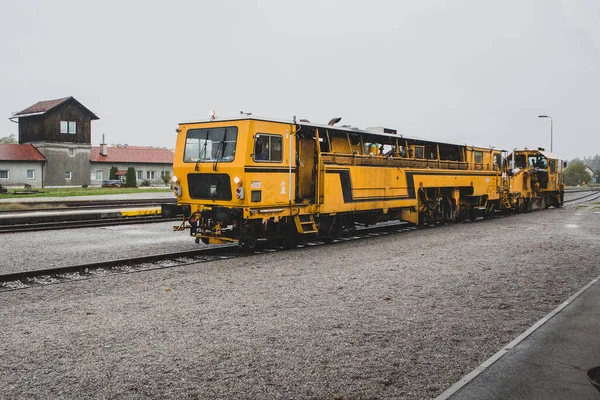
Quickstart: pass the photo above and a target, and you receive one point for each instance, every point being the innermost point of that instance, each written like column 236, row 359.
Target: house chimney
column 103, row 147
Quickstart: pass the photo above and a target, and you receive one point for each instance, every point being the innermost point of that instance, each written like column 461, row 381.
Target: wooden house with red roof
column 55, row 149
column 61, row 130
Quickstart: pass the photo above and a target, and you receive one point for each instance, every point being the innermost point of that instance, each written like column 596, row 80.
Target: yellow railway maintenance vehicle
column 247, row 179
column 535, row 180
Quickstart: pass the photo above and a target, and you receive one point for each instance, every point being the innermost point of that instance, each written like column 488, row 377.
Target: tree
column 130, row 180
column 166, row 178
column 575, row 173
column 10, row 139
column 113, row 173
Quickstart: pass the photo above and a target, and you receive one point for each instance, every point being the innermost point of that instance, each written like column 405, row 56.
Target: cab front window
column 210, row 144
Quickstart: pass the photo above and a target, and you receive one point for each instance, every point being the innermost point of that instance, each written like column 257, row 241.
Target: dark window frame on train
column 498, row 160
column 267, row 153
column 419, row 152
column 226, row 145
column 478, row 156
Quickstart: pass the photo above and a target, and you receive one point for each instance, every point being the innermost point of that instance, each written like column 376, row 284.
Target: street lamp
column 547, row 116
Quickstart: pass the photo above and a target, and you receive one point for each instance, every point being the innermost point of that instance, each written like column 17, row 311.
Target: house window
column 140, row 175
column 30, row 174
column 71, row 151
column 98, row 174
column 68, row 175
column 150, row 175
column 68, row 127
column 4, row 174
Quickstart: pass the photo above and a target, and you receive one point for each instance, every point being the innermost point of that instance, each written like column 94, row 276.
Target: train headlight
column 174, row 179
column 236, row 180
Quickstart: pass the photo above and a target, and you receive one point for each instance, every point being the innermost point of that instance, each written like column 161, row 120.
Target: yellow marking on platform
column 136, row 213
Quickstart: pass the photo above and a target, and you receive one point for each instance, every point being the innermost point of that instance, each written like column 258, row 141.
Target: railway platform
column 65, row 214
column 549, row 361
column 167, row 195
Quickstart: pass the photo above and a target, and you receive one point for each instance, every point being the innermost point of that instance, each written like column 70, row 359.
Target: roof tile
column 42, row 106
column 20, row 152
column 133, row 154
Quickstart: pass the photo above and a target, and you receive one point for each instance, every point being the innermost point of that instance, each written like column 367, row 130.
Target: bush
column 113, row 173
column 27, row 186
column 130, row 180
column 145, row 182
column 166, row 178
column 84, row 185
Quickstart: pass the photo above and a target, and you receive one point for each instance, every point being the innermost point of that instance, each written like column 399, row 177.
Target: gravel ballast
column 396, row 316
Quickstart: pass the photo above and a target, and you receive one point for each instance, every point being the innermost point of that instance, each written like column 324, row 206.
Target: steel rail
column 85, row 223
column 586, row 198
column 27, row 279
column 84, row 205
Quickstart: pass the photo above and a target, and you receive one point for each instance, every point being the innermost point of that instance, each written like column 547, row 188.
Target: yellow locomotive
column 535, row 180
column 247, row 179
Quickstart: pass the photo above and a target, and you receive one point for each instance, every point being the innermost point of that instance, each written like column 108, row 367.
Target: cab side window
column 419, row 151
column 268, row 148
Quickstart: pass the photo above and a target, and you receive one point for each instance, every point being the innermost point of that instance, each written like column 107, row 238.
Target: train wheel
column 250, row 243
column 289, row 241
column 472, row 214
column 489, row 212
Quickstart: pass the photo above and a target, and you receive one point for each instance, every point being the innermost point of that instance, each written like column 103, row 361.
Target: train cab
column 535, row 179
column 232, row 176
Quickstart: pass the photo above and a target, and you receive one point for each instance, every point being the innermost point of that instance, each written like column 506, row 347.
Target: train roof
column 546, row 154
column 349, row 129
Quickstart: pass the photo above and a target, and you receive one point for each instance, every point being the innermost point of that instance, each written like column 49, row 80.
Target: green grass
column 68, row 192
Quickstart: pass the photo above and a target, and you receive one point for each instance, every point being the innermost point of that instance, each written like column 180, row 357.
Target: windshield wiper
column 219, row 154
column 200, row 153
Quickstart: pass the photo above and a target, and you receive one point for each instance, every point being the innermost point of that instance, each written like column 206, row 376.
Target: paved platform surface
column 550, row 363
column 69, row 214
column 127, row 196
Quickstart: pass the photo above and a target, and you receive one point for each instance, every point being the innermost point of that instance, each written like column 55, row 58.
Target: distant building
column 150, row 163
column 61, row 130
column 55, row 148
column 20, row 165
column 590, row 173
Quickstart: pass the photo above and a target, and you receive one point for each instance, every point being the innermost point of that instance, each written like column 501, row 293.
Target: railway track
column 57, row 275
column 85, row 223
column 28, row 279
column 590, row 195
column 58, row 206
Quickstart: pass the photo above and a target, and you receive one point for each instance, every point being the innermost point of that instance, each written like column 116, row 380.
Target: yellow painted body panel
column 322, row 179
column 273, row 186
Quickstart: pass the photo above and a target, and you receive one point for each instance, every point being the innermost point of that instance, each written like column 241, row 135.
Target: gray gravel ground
column 45, row 249
column 391, row 317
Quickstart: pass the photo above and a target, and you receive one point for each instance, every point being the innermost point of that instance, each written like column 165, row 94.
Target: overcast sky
column 471, row 71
